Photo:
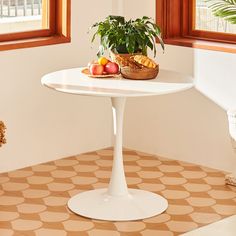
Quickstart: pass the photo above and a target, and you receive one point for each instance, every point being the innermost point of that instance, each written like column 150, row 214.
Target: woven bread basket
column 131, row 70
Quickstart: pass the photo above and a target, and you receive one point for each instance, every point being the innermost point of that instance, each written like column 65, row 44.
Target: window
column 29, row 23
column 205, row 20
column 23, row 16
column 193, row 23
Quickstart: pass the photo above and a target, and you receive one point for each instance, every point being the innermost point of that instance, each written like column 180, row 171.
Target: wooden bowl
column 131, row 70
column 139, row 74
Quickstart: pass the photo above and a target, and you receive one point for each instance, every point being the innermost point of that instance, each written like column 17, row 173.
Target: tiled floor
column 33, row 200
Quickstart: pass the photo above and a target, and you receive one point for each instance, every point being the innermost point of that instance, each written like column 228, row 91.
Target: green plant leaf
column 225, row 9
column 130, row 36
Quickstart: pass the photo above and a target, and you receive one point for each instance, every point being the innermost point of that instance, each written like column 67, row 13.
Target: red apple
column 112, row 68
column 96, row 69
column 92, row 62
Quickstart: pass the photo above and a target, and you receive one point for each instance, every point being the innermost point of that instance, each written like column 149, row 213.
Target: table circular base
column 98, row 204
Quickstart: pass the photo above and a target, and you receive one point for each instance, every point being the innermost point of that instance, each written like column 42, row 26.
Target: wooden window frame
column 176, row 18
column 59, row 30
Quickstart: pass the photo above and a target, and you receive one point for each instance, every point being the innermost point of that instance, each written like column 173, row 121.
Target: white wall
column 43, row 125
column 216, row 77
column 185, row 126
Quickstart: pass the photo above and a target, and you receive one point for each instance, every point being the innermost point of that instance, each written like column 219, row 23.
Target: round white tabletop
column 73, row 81
column 117, row 202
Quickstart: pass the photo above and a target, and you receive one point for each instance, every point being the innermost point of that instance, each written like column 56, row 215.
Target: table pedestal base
column 117, row 203
column 136, row 205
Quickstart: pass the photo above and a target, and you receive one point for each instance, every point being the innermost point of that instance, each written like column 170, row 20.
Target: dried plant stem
column 2, row 133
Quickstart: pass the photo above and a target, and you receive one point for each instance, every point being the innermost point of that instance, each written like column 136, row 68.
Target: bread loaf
column 145, row 61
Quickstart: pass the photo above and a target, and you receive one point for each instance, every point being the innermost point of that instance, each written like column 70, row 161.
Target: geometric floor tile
column 33, row 200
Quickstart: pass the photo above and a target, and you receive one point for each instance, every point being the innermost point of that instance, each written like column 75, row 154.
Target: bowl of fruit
column 102, row 68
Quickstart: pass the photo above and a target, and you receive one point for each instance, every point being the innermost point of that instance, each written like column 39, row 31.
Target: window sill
column 202, row 44
column 34, row 42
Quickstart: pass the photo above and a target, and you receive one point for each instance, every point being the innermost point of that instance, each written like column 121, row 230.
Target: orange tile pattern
column 33, row 200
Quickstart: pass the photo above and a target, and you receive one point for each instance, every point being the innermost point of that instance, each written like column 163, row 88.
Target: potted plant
column 132, row 36
column 124, row 39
